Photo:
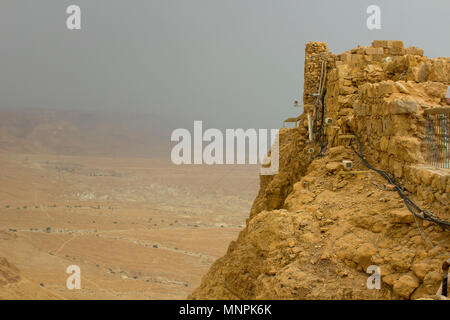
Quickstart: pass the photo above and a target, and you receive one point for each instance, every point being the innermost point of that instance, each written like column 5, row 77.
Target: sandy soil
column 138, row 228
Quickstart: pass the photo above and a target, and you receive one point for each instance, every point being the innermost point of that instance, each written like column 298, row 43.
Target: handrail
column 437, row 110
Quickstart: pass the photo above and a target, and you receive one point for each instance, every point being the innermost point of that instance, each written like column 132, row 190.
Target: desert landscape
column 343, row 109
column 138, row 227
column 98, row 191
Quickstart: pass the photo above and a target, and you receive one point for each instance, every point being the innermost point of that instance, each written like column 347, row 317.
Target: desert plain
column 137, row 227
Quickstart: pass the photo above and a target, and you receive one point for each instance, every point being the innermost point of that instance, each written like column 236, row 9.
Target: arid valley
column 138, row 227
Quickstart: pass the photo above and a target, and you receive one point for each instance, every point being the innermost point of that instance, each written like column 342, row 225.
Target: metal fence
column 438, row 137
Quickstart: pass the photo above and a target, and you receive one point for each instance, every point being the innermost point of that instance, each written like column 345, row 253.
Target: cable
column 412, row 207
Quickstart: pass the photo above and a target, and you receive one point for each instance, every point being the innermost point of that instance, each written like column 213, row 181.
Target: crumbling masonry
column 383, row 93
column 313, row 231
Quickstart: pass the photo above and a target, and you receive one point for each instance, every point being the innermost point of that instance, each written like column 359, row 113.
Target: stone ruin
column 313, row 230
column 383, row 93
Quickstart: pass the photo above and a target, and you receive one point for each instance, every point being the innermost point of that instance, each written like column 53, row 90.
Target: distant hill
column 32, row 130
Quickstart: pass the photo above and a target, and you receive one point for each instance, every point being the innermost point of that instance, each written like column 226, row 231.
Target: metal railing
column 438, row 137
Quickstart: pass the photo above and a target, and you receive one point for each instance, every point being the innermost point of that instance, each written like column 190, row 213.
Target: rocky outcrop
column 313, row 229
column 294, row 160
column 319, row 246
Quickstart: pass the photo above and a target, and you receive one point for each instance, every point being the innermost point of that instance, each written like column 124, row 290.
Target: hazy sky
column 230, row 63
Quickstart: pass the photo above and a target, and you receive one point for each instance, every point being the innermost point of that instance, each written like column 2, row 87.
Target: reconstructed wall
column 315, row 53
column 381, row 93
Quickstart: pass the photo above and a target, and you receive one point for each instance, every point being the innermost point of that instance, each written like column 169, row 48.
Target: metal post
column 310, row 127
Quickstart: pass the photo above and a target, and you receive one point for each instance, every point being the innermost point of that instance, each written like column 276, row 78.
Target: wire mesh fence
column 438, row 137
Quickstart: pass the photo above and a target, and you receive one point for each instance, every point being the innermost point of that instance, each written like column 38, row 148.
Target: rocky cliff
column 314, row 228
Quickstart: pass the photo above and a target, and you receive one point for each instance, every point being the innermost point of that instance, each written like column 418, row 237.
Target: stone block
column 435, row 89
column 356, row 59
column 376, row 110
column 347, row 90
column 386, row 88
column 379, row 43
column 342, row 71
column 440, row 70
column 360, row 109
column 386, row 121
column 414, row 51
column 401, row 87
column 398, row 169
column 396, row 51
column 373, row 51
column 404, row 105
column 425, row 175
column 405, row 148
column 397, row 44
column 414, row 175
column 345, row 57
column 437, row 180
column 401, row 125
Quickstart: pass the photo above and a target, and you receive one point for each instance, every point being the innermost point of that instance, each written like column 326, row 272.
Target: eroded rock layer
column 313, row 231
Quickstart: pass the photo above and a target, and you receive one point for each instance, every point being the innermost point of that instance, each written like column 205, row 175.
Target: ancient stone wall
column 380, row 93
column 315, row 54
column 312, row 231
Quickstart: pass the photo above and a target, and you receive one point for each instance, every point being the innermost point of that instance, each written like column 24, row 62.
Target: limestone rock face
column 406, row 285
column 404, row 106
column 320, row 244
column 294, row 161
column 313, row 230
